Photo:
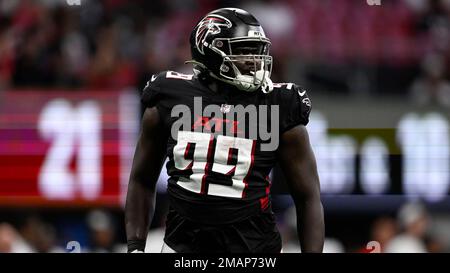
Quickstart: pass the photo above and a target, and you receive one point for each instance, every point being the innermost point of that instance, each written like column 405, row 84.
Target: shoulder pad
column 295, row 105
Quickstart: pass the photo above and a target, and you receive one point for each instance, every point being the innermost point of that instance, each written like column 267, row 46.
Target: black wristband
column 136, row 245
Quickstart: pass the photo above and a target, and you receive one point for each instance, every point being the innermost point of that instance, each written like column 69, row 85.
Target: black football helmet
column 230, row 45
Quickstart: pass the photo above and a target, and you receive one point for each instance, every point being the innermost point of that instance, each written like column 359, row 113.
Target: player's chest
column 247, row 118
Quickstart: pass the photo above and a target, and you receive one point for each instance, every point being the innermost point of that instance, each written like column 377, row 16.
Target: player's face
column 247, row 63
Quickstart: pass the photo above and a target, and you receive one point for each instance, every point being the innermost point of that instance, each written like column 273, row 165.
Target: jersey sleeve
column 295, row 106
column 151, row 95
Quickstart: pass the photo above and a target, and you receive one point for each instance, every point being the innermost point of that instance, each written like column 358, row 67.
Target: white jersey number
column 203, row 160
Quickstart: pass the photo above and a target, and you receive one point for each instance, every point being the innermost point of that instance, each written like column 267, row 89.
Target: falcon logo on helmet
column 211, row 24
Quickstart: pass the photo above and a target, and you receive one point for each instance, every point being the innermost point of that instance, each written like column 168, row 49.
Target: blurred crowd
column 341, row 46
column 413, row 229
column 96, row 231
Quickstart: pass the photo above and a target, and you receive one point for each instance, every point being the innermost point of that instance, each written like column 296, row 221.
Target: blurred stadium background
column 378, row 77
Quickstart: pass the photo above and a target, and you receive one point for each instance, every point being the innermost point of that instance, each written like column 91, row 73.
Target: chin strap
column 267, row 84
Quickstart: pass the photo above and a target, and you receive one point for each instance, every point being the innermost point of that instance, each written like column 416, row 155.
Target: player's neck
column 219, row 87
column 214, row 86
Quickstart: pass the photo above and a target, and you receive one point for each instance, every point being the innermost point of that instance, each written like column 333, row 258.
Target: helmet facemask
column 246, row 62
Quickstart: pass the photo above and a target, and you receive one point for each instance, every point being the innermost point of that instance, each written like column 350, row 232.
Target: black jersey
column 216, row 178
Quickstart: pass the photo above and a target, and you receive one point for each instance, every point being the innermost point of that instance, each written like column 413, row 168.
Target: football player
column 219, row 186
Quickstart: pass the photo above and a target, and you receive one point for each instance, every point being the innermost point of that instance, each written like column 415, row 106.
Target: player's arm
column 148, row 160
column 298, row 163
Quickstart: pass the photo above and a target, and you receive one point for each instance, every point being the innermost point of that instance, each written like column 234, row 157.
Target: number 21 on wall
column 71, row 131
